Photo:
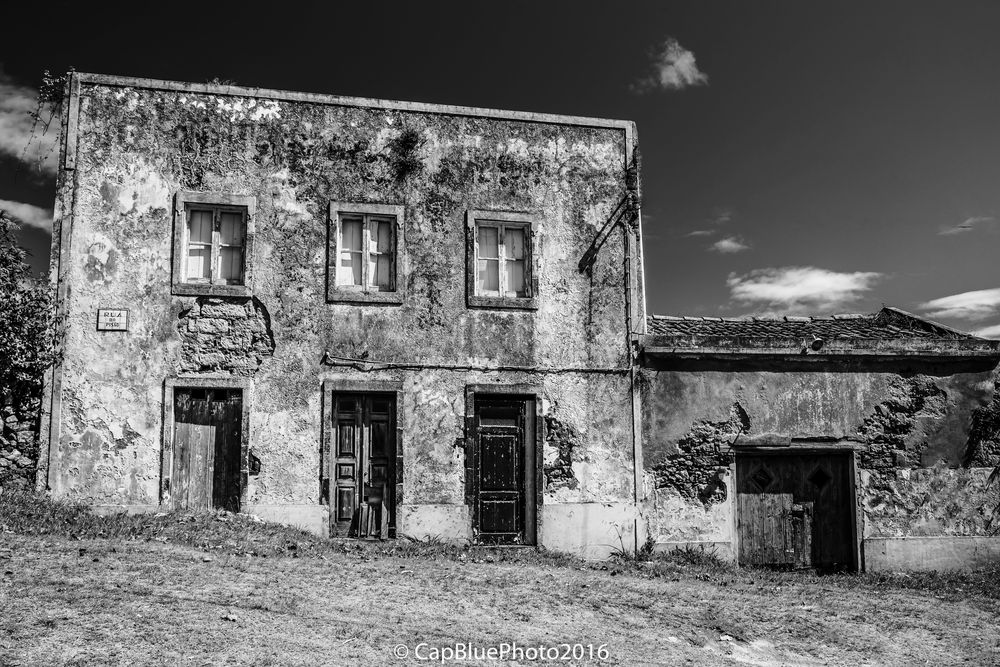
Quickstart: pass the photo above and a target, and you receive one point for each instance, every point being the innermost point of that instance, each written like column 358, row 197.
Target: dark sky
column 830, row 147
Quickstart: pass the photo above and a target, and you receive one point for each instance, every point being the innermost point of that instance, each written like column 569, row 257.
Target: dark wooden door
column 359, row 468
column 796, row 510
column 207, row 449
column 503, row 465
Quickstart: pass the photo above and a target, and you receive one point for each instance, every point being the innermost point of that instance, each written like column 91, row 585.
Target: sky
column 798, row 157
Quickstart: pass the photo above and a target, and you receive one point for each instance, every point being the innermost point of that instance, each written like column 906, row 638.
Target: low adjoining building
column 838, row 442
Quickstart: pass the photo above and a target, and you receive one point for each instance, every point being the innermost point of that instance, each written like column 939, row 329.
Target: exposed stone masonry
column 983, row 449
column 562, row 438
column 886, row 431
column 19, row 442
column 704, row 453
column 225, row 334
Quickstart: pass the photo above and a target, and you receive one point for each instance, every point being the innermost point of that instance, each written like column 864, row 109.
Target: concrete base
column 721, row 550
column 450, row 523
column 591, row 530
column 310, row 518
column 929, row 553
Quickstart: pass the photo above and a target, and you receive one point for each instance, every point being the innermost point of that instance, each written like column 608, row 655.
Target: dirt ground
column 128, row 602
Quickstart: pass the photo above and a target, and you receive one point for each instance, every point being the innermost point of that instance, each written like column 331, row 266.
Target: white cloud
column 975, row 305
column 729, row 245
column 722, row 215
column 28, row 214
column 992, row 332
column 966, row 225
column 800, row 289
column 674, row 68
column 16, row 139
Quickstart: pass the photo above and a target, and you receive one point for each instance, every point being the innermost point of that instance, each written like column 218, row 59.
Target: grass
column 218, row 588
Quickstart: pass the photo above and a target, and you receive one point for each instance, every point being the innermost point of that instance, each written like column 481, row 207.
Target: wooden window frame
column 530, row 223
column 363, row 294
column 170, row 385
column 185, row 201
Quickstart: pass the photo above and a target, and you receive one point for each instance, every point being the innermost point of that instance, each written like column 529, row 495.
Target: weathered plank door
column 795, row 510
column 359, row 470
column 774, row 530
column 206, row 470
column 503, row 472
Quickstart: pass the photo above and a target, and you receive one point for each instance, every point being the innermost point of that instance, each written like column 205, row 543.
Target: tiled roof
column 888, row 323
column 889, row 331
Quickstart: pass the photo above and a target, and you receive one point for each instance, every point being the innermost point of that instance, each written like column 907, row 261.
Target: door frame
column 348, row 385
column 170, row 385
column 846, row 448
column 534, row 439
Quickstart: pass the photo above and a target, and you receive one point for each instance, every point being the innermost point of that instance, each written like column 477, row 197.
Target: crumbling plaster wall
column 137, row 147
column 913, row 434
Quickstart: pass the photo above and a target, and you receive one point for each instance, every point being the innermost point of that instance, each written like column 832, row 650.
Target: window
column 213, row 238
column 364, row 253
column 500, row 260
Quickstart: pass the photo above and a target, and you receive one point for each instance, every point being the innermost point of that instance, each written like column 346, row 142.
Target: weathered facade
column 881, row 427
column 260, row 355
column 374, row 318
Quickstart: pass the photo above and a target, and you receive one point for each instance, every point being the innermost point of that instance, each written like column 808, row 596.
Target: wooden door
column 207, row 449
column 796, row 510
column 503, row 511
column 359, row 465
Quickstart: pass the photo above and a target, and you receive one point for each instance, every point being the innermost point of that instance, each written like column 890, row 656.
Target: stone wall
column 19, row 442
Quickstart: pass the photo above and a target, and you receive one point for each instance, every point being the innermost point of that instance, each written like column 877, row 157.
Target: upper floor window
column 363, row 251
column 500, row 262
column 500, row 259
column 213, row 239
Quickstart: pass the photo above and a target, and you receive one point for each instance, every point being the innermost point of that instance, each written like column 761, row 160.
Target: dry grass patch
column 76, row 589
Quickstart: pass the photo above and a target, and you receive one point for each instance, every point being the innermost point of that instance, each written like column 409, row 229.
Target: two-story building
column 358, row 316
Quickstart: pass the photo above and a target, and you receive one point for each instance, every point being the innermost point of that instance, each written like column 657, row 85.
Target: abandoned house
column 372, row 318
